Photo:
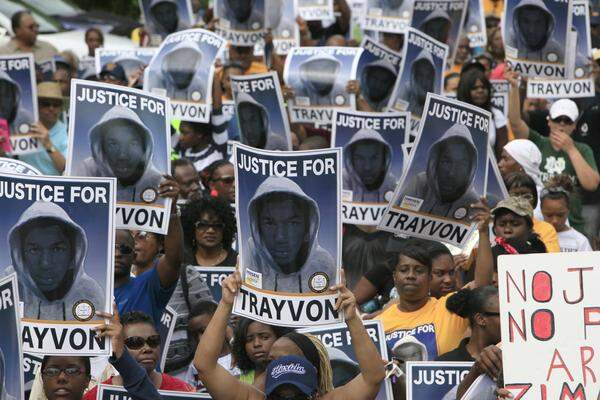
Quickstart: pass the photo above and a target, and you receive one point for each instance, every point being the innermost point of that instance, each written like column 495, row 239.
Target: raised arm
column 169, row 264
column 587, row 175
column 484, row 265
column 519, row 127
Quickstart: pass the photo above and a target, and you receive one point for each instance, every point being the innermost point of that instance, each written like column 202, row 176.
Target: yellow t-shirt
column 547, row 234
column 432, row 325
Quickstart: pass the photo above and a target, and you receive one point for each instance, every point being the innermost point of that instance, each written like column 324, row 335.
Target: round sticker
column 196, row 95
column 552, row 57
column 285, row 33
column 405, row 14
column 460, row 213
column 256, row 25
column 23, row 128
column 473, row 28
column 579, row 72
column 388, row 196
column 318, row 282
column 340, row 100
column 149, row 195
column 584, row 129
column 83, row 310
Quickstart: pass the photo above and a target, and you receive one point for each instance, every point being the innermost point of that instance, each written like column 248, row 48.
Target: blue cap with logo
column 291, row 370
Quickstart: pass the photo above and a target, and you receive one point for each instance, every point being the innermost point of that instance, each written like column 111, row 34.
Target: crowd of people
column 546, row 152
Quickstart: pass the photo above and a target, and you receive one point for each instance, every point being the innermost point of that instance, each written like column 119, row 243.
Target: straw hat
column 49, row 90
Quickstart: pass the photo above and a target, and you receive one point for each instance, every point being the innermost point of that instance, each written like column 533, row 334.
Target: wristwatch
column 51, row 150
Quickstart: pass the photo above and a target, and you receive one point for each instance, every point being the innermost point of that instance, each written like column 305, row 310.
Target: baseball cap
column 518, row 205
column 565, row 107
column 291, row 370
column 114, row 70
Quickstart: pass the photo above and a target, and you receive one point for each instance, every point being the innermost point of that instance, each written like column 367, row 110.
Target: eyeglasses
column 204, row 226
column 228, row 180
column 562, row 120
column 490, row 314
column 52, row 372
column 124, row 249
column 48, row 104
column 137, row 342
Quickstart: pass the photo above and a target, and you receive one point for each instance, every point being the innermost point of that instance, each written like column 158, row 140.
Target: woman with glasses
column 209, row 228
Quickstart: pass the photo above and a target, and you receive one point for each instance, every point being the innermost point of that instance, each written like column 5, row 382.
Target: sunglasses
column 203, row 226
column 490, row 314
column 228, row 180
column 562, row 120
column 124, row 249
column 52, row 372
column 137, row 342
column 48, row 104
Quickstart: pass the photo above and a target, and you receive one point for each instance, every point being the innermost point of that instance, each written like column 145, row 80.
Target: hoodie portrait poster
column 315, row 10
column 58, row 236
column 434, row 380
column 377, row 72
column 280, row 17
column 130, row 59
column 18, row 101
column 262, row 117
column 536, row 36
column 474, row 26
column 372, row 161
column 446, row 173
column 183, row 70
column 11, row 354
column 163, row 17
column 123, row 133
column 344, row 363
column 112, row 392
column 318, row 76
column 241, row 22
column 388, row 15
column 288, row 208
column 423, row 63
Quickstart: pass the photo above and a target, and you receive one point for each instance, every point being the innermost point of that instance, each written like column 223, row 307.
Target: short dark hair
column 521, row 179
column 181, row 162
column 86, row 363
column 199, row 128
column 208, row 173
column 15, row 19
column 437, row 249
column 136, row 317
column 95, row 30
column 203, row 307
column 415, row 248
column 192, row 211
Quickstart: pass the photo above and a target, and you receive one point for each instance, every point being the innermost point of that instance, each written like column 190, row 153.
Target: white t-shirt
column 571, row 240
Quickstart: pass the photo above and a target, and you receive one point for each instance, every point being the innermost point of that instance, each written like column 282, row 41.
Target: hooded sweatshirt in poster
column 130, row 59
column 474, row 25
column 11, row 355
column 446, row 173
column 183, row 70
column 315, row 10
column 163, row 17
column 289, row 211
column 440, row 20
column 423, row 62
column 372, row 161
column 377, row 72
column 536, row 34
column 18, row 100
column 262, row 117
column 123, row 133
column 241, row 22
column 49, row 227
column 388, row 15
column 280, row 17
column 319, row 76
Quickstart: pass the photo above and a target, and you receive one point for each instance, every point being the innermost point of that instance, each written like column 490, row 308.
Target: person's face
column 47, row 256
column 28, row 30
column 368, row 160
column 241, row 9
column 479, row 93
column 8, row 99
column 556, row 212
column 533, row 23
column 180, row 66
column 223, row 181
column 252, row 125
column 146, row 247
column 497, row 45
column 226, row 82
column 424, row 76
column 453, row 170
column 288, row 392
column 189, row 137
column 49, row 110
column 165, row 14
column 437, row 28
column 524, row 192
column 283, row 227
column 408, row 352
column 463, row 51
column 63, row 78
column 284, row 347
column 412, row 279
column 561, row 124
column 491, row 320
column 93, row 41
column 259, row 339
column 242, row 55
column 510, row 225
column 65, row 386
column 188, row 180
column 443, row 280
column 507, row 165
column 124, row 149
column 146, row 356
column 322, row 75
column 209, row 230
column 124, row 253
column 380, row 82
column 452, row 84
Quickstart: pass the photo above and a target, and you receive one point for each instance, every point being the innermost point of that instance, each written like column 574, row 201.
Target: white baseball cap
column 565, row 107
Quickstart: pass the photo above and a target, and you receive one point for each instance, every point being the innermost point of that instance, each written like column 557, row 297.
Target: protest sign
column 163, row 17
column 446, row 173
column 440, row 20
column 423, row 63
column 12, row 166
column 580, row 83
column 280, row 17
column 344, row 363
column 499, row 97
column 550, row 325
column 536, row 34
column 483, row 388
column 130, row 59
column 31, row 367
column 62, row 216
column 372, row 162
column 388, row 15
column 111, row 392
column 475, row 24
column 213, row 277
column 288, row 208
column 183, row 70
column 233, row 129
column 315, row 10
column 11, row 354
column 166, row 327
column 434, row 380
column 46, row 69
column 242, row 23
column 120, row 132
column 19, row 101
column 261, row 114
column 86, row 67
column 377, row 72
column 318, row 76
column 496, row 189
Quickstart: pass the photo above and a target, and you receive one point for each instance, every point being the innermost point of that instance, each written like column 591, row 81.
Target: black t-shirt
column 588, row 132
column 382, row 277
column 189, row 258
column 458, row 354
